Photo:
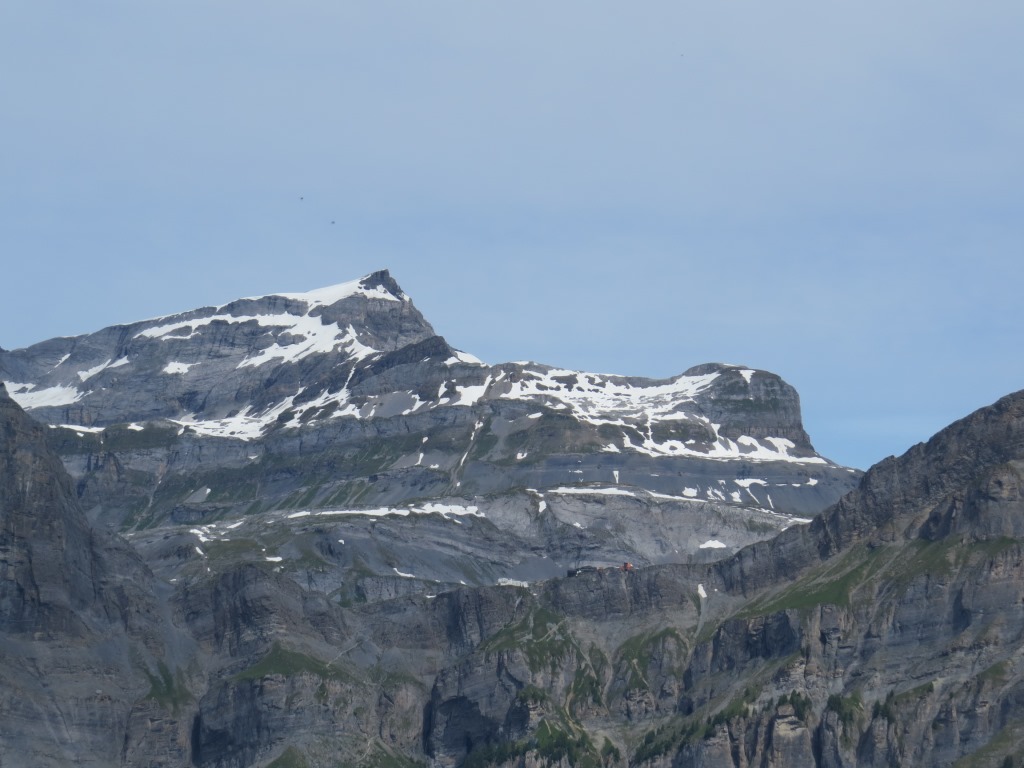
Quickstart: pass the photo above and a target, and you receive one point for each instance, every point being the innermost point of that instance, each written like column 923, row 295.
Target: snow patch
column 713, row 544
column 602, row 491
column 175, row 367
column 464, row 357
column 90, row 372
column 473, row 394
column 447, row 511
column 512, row 583
column 335, row 293
column 60, row 394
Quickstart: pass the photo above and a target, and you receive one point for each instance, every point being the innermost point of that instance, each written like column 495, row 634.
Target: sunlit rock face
column 345, row 396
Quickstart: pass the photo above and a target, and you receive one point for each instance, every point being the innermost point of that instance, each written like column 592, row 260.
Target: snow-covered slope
column 350, row 396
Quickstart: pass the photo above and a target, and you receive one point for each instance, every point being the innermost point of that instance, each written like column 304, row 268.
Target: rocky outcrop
column 47, row 578
column 82, row 630
column 886, row 632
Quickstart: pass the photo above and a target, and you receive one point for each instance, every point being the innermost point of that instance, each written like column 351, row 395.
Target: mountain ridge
column 343, row 400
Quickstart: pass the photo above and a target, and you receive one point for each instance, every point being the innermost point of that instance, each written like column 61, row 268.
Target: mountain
column 887, row 631
column 285, row 423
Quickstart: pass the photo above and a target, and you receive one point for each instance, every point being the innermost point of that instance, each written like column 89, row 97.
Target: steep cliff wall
column 887, row 631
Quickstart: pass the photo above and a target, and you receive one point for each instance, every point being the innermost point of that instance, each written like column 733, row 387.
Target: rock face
column 887, row 631
column 346, row 397
column 81, row 629
column 260, row 423
column 261, row 610
column 47, row 578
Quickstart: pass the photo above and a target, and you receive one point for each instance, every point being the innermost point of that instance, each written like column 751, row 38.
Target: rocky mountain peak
column 280, row 377
column 964, row 485
column 956, row 483
column 382, row 280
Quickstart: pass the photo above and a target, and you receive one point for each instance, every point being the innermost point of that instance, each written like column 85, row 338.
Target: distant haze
column 832, row 192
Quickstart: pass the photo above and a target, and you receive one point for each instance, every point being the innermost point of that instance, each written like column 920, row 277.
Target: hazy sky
column 830, row 191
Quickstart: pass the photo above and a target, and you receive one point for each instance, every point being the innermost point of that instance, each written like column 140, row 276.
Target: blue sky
column 830, row 191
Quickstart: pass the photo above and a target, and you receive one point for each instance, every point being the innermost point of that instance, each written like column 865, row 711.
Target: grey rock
column 885, row 631
column 347, row 397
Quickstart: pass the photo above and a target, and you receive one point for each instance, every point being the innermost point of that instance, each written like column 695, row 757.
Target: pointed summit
column 376, row 285
column 382, row 280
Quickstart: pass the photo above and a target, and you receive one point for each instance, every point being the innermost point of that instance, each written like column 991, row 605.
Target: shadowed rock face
column 80, row 626
column 46, row 564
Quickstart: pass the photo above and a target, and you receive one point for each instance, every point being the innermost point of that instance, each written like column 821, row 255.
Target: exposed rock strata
column 887, row 631
column 347, row 397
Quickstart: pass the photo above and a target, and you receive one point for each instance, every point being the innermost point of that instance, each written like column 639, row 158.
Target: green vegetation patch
column 636, row 653
column 801, row 703
column 384, row 758
column 1005, row 750
column 168, row 690
column 834, row 584
column 551, row 743
column 117, row 438
column 290, row 758
column 865, row 571
column 541, row 637
column 885, row 709
column 997, row 673
column 484, row 443
column 849, row 708
column 280, row 661
column 738, row 707
column 381, row 453
column 555, row 743
column 233, row 550
column 946, row 556
column 610, row 753
column 586, row 687
column 666, row 738
column 759, row 526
